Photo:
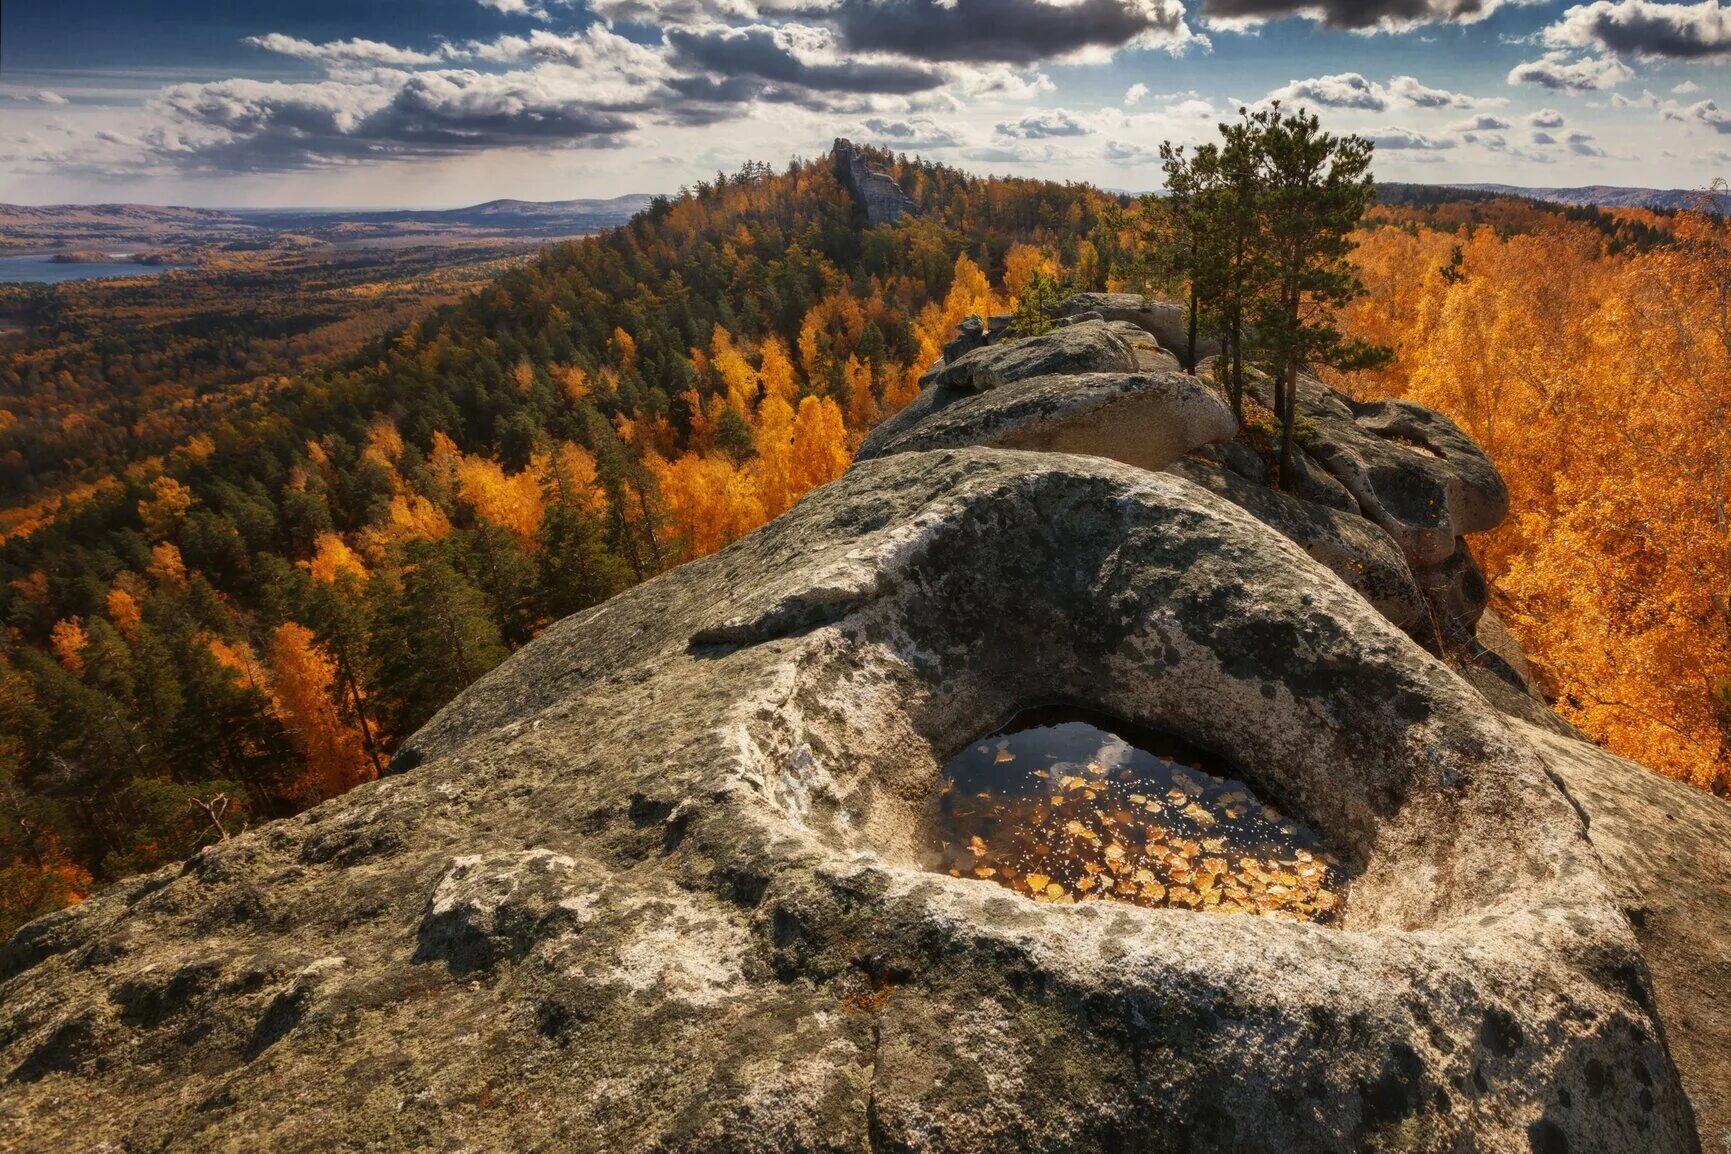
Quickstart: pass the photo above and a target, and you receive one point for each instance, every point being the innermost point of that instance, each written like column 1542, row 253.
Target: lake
column 44, row 270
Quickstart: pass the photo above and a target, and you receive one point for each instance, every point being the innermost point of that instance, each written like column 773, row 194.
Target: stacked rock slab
column 655, row 882
column 878, row 196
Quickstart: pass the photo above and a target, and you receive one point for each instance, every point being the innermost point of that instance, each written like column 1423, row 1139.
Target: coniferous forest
column 250, row 623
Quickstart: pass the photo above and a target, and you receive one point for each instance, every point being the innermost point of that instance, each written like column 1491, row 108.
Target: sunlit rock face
column 880, row 199
column 660, row 882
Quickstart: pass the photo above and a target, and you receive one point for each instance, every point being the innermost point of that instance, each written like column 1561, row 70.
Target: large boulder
column 655, row 882
column 1351, row 547
column 1411, row 470
column 1144, row 419
column 1167, row 322
column 1089, row 347
column 1666, row 849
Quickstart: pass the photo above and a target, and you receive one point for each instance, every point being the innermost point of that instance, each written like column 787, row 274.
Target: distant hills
column 1609, row 196
column 49, row 228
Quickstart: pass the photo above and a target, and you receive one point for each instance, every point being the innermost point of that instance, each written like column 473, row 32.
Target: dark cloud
column 248, row 125
column 1543, row 138
column 791, row 55
column 1581, row 144
column 1361, row 14
column 1005, row 31
column 1642, row 28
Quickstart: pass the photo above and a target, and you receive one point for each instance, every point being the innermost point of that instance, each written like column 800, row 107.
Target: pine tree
column 1314, row 188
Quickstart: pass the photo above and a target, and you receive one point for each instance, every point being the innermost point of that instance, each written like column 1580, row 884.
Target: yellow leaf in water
column 1003, row 756
column 1304, row 855
column 1145, row 876
column 1214, row 844
column 1085, row 883
column 1199, row 815
column 1036, row 882
column 984, row 871
column 1040, row 773
column 1075, row 828
column 976, row 844
column 1138, row 799
column 1054, row 890
column 1114, row 852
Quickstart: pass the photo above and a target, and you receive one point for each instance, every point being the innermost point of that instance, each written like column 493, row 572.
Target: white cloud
column 1353, row 90
column 1546, row 118
column 1044, row 125
column 1395, row 139
column 343, row 52
column 1559, row 72
column 1705, row 113
column 1135, row 94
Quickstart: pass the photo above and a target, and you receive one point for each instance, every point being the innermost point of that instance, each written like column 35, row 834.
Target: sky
column 441, row 103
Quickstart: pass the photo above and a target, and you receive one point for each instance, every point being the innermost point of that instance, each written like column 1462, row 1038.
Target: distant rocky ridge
column 655, row 883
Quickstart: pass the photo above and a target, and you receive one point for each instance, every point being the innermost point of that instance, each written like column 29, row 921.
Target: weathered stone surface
column 970, row 335
column 1169, row 323
column 1666, row 849
column 1089, row 347
column 1411, row 470
column 878, row 196
column 1143, row 419
column 1351, row 547
column 651, row 891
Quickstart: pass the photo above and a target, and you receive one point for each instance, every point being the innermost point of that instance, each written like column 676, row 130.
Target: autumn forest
column 247, row 613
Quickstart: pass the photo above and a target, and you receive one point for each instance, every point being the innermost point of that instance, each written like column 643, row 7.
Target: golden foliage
column 333, row 559
column 124, row 611
column 1601, row 385
column 820, row 451
column 67, row 641
column 305, row 694
column 166, row 566
column 165, row 508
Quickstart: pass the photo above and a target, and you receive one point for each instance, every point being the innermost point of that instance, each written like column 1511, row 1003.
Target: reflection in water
column 1064, row 806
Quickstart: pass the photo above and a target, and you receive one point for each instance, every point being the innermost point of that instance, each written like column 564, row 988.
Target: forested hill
column 252, row 624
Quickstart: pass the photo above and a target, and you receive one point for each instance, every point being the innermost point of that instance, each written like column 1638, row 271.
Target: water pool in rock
column 1065, row 806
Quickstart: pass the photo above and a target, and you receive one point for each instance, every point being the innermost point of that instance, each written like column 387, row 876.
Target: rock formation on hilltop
column 655, row 884
column 877, row 195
